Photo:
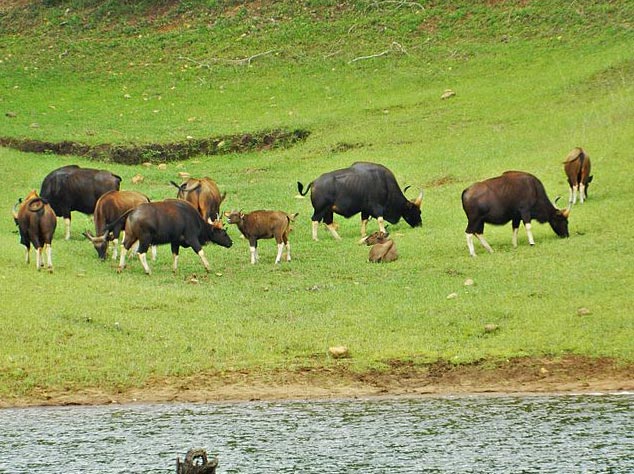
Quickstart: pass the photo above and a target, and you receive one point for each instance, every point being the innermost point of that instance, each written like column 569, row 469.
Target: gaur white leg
column 38, row 258
column 146, row 267
column 154, row 248
column 49, row 256
column 582, row 191
column 470, row 244
column 280, row 249
column 364, row 224
column 134, row 249
column 333, row 231
column 575, row 188
column 515, row 232
column 27, row 255
column 254, row 254
column 288, row 251
column 529, row 233
column 203, row 259
column 174, row 262
column 381, row 224
column 484, row 243
column 115, row 245
column 67, row 227
column 122, row 259
column 315, row 227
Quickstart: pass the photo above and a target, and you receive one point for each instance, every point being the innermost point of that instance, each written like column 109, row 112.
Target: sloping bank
column 133, row 154
column 520, row 376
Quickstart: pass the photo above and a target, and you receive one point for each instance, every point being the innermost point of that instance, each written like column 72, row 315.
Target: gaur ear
column 227, row 213
column 566, row 212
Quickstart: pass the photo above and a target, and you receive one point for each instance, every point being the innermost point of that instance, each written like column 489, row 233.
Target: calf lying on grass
column 258, row 225
column 36, row 221
column 383, row 249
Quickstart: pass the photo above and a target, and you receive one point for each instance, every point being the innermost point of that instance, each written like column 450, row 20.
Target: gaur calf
column 383, row 249
column 263, row 224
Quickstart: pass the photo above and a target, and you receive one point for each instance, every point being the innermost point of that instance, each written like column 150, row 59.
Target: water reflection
column 541, row 434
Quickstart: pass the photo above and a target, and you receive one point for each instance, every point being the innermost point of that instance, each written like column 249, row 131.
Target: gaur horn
column 96, row 240
column 419, row 199
column 15, row 208
column 555, row 201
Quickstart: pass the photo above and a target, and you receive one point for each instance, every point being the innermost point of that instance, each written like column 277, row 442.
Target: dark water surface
column 476, row 434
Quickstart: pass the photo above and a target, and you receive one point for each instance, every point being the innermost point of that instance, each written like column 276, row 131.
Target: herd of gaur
column 193, row 218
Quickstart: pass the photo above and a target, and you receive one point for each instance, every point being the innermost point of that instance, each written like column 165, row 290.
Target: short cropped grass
column 531, row 81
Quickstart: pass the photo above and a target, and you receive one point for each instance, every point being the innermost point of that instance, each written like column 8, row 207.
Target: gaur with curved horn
column 367, row 188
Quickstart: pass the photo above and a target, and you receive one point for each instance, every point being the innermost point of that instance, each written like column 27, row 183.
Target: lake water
column 467, row 434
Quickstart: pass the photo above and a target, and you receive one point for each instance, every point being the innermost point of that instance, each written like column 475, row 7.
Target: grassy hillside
column 532, row 81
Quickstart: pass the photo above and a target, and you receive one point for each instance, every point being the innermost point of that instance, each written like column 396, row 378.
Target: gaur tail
column 37, row 204
column 300, row 188
column 579, row 155
column 110, row 227
column 290, row 218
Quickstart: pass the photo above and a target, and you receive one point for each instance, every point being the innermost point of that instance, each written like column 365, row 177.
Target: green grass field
column 532, row 81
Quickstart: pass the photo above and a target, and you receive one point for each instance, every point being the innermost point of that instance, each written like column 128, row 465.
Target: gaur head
column 100, row 243
column 217, row 234
column 588, row 184
column 234, row 217
column 411, row 212
column 377, row 237
column 559, row 221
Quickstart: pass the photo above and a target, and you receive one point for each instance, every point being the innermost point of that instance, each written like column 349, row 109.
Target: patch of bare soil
column 570, row 374
column 162, row 152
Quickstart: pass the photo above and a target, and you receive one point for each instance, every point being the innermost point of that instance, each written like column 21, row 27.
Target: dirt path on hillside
column 519, row 376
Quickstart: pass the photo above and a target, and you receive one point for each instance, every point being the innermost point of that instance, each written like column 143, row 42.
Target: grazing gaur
column 367, row 188
column 71, row 188
column 515, row 196
column 262, row 224
column 109, row 208
column 204, row 195
column 577, row 168
column 173, row 221
column 36, row 221
column 382, row 247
